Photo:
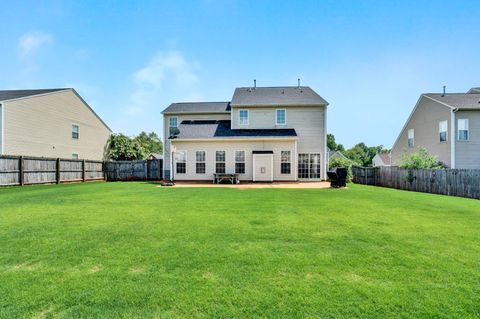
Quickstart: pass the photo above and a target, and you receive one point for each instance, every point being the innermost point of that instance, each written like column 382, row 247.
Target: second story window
column 463, row 130
column 172, row 125
column 75, row 131
column 411, row 137
column 243, row 117
column 442, row 131
column 281, row 117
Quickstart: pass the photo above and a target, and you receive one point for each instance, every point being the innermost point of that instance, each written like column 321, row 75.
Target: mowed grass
column 134, row 250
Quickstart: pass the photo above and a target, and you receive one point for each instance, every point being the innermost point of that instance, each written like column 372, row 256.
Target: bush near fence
column 452, row 182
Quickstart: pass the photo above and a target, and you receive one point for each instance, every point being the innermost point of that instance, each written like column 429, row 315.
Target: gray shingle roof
column 202, row 129
column 474, row 90
column 276, row 96
column 458, row 100
column 198, row 107
column 6, row 95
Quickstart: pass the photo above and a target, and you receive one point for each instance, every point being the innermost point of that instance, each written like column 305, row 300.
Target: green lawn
column 134, row 250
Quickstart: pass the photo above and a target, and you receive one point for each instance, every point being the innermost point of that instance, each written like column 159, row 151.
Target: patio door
column 309, row 165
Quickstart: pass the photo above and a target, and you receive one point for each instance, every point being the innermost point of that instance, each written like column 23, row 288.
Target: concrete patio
column 250, row 185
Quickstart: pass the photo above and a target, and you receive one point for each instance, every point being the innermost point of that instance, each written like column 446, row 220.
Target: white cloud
column 30, row 42
column 167, row 75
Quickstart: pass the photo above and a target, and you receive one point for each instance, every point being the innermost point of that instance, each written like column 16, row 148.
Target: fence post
column 147, row 170
column 20, row 171
column 57, row 175
column 83, row 171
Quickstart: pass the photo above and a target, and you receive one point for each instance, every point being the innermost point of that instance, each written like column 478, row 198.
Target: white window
column 200, row 162
column 442, row 131
column 75, row 131
column 239, row 162
column 172, row 125
column 285, row 165
column 75, row 156
column 411, row 137
column 181, row 162
column 220, row 162
column 281, row 117
column 463, row 130
column 243, row 117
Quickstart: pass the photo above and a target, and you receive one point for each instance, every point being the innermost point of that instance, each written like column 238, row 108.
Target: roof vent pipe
column 254, row 84
column 298, row 83
column 444, row 87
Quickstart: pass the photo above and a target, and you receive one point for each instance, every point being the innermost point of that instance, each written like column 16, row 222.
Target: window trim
column 289, row 162
column 467, row 122
column 244, row 161
column 440, row 132
column 413, row 138
column 176, row 162
column 204, row 162
column 240, row 117
column 78, row 131
column 224, row 161
column 276, row 116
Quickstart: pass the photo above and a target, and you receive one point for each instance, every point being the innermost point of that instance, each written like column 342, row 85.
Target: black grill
column 338, row 177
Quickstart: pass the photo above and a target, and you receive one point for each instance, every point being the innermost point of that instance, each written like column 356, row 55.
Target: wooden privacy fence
column 24, row 170
column 453, row 182
column 134, row 170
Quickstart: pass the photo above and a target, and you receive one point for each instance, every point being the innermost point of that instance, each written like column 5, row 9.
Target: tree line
column 121, row 147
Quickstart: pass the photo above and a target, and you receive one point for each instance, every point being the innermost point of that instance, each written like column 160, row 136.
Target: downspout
column 325, row 156
column 2, row 129
column 453, row 139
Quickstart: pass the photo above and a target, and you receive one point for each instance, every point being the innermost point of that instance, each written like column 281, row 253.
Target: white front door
column 262, row 167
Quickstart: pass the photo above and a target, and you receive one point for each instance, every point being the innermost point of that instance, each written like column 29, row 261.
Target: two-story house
column 50, row 123
column 262, row 134
column 447, row 125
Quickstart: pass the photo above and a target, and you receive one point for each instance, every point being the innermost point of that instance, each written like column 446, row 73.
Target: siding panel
column 468, row 152
column 42, row 126
column 425, row 121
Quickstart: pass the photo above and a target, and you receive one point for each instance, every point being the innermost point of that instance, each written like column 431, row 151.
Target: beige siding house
column 447, row 125
column 262, row 134
column 50, row 123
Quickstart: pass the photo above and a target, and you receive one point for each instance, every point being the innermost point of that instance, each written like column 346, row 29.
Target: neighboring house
column 50, row 123
column 382, row 159
column 447, row 125
column 474, row 90
column 336, row 154
column 263, row 134
column 154, row 156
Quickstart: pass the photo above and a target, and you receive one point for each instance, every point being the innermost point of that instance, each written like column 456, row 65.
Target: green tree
column 150, row 142
column 343, row 162
column 331, row 144
column 123, row 148
column 422, row 159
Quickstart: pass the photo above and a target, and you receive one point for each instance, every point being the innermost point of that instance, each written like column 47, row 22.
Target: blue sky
column 130, row 59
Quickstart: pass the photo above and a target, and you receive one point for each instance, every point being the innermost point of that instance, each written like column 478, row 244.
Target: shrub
column 422, row 159
column 343, row 162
